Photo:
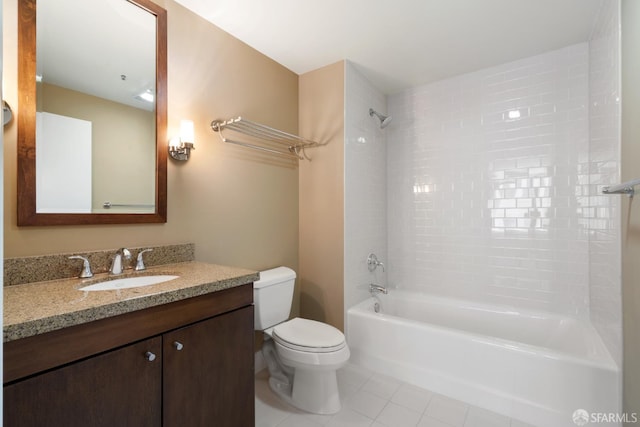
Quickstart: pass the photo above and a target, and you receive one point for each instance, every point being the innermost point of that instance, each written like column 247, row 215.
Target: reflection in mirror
column 98, row 133
column 95, row 121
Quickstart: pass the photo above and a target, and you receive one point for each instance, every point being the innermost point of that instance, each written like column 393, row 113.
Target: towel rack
column 624, row 188
column 267, row 139
column 109, row 205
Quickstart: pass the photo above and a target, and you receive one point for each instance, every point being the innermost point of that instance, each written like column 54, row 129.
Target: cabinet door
column 118, row 388
column 208, row 373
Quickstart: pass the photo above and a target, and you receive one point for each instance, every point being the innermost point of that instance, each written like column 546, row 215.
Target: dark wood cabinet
column 118, row 388
column 208, row 373
column 195, row 369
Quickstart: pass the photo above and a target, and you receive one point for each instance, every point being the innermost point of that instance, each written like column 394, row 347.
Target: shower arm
column 384, row 120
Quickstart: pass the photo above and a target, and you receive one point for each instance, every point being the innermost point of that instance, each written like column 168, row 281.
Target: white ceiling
column 401, row 43
column 88, row 46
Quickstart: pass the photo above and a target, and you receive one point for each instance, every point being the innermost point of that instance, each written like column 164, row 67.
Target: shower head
column 384, row 120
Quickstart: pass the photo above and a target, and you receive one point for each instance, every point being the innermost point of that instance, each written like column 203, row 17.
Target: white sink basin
column 128, row 282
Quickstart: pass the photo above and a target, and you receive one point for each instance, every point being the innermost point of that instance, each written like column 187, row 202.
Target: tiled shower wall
column 365, row 186
column 603, row 215
column 493, row 183
column 487, row 183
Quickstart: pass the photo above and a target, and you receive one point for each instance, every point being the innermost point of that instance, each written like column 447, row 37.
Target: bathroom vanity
column 178, row 353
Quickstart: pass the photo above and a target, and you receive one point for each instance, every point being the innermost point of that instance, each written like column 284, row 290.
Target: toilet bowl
column 302, row 355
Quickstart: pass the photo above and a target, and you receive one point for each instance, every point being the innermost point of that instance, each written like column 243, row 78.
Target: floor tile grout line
column 358, row 379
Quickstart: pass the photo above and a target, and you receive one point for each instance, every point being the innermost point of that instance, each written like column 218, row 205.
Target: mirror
column 92, row 112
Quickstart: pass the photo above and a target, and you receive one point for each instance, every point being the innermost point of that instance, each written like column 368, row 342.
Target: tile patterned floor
column 375, row 400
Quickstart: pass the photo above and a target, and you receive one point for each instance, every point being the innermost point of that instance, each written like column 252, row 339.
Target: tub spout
column 374, row 289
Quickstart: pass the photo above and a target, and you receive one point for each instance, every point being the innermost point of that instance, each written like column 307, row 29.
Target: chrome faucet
column 116, row 264
column 374, row 289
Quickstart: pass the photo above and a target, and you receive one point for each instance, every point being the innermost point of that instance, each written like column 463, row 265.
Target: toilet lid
column 308, row 335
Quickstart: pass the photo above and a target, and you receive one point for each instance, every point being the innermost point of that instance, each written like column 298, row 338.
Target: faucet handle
column 373, row 263
column 139, row 260
column 86, row 267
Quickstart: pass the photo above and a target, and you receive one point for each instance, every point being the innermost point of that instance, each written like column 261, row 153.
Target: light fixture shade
column 186, row 131
column 180, row 147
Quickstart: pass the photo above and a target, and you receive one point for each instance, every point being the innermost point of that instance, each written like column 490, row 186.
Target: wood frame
column 26, row 179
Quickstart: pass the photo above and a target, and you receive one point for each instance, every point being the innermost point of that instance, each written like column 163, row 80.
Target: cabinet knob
column 150, row 356
column 178, row 345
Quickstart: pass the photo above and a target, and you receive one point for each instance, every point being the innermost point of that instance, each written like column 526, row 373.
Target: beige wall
column 322, row 196
column 123, row 144
column 631, row 207
column 237, row 209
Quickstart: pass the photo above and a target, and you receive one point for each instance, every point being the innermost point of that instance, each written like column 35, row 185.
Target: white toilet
column 302, row 355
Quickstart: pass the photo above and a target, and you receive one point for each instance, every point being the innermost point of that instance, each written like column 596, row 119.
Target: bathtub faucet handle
column 373, row 263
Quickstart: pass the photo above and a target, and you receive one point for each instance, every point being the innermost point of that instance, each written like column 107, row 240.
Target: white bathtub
column 535, row 367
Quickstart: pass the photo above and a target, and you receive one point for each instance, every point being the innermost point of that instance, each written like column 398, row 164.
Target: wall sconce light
column 180, row 147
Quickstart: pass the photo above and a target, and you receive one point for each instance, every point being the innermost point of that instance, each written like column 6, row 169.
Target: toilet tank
column 272, row 297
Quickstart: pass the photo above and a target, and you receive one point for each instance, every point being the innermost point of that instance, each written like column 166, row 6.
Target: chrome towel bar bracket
column 624, row 188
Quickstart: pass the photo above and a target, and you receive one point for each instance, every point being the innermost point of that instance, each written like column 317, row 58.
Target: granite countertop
column 39, row 307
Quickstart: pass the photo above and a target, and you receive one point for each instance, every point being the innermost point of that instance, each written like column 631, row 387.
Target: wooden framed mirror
column 92, row 148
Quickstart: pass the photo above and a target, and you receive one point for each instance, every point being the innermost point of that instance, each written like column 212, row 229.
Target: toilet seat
column 308, row 336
